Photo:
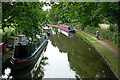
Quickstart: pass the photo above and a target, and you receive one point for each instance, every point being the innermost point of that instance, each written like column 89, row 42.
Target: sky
column 47, row 7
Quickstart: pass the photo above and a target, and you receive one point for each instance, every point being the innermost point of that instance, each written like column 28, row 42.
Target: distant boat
column 66, row 28
column 26, row 54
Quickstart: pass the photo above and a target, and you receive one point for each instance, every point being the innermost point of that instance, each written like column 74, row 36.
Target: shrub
column 116, row 38
column 107, row 34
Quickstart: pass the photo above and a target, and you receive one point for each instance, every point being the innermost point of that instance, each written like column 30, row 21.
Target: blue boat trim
column 69, row 29
column 30, row 58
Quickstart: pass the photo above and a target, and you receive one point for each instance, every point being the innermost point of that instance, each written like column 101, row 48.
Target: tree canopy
column 25, row 17
column 87, row 13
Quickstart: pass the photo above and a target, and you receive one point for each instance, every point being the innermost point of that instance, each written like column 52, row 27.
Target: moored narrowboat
column 26, row 53
column 66, row 28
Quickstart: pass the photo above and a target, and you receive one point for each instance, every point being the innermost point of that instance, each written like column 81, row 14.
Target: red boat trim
column 18, row 61
column 63, row 27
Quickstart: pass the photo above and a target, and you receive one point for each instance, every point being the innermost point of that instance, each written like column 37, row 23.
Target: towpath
column 107, row 46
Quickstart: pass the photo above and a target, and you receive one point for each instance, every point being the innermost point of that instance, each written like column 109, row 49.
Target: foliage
column 39, row 72
column 23, row 16
column 87, row 13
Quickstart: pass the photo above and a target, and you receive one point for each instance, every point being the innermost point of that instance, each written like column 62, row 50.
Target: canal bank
column 110, row 54
column 107, row 52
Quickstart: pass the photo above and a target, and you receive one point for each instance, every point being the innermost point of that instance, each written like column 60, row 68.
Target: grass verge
column 109, row 57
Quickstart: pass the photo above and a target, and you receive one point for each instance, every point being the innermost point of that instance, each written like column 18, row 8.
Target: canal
column 65, row 56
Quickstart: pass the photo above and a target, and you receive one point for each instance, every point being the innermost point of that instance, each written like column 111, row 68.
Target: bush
column 54, row 23
column 107, row 34
column 76, row 25
column 91, row 30
column 116, row 38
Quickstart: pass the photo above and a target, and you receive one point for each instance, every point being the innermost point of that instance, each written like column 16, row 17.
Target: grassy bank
column 109, row 57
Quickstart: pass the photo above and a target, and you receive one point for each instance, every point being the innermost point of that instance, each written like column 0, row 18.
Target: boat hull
column 32, row 59
column 73, row 31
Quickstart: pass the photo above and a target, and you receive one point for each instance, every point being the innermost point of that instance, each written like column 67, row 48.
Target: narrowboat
column 26, row 53
column 66, row 28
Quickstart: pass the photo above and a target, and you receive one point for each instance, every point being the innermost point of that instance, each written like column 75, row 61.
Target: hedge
column 107, row 34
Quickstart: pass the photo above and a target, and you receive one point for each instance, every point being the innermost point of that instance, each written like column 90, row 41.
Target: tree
column 23, row 16
column 87, row 13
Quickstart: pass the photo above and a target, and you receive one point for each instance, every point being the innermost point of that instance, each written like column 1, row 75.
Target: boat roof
column 65, row 25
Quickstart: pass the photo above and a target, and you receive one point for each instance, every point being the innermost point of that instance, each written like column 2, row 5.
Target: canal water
column 66, row 56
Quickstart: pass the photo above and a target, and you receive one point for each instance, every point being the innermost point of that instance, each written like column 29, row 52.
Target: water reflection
column 7, row 74
column 38, row 72
column 83, row 58
column 58, row 65
column 65, row 33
